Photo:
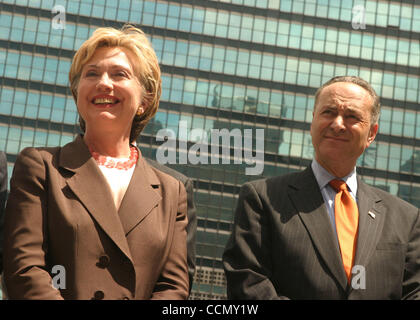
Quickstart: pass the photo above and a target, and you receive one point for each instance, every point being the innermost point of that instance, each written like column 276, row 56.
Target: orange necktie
column 346, row 220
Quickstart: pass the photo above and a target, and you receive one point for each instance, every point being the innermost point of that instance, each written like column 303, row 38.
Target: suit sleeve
column 3, row 196
column 411, row 284
column 25, row 235
column 191, row 230
column 173, row 281
column 247, row 256
column 3, row 182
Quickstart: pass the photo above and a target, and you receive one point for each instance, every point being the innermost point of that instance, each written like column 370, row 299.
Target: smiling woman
column 109, row 97
column 114, row 225
column 137, row 60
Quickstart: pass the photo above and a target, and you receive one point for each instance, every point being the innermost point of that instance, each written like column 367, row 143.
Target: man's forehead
column 344, row 93
column 345, row 90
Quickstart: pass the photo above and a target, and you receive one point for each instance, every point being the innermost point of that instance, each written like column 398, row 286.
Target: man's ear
column 310, row 129
column 372, row 133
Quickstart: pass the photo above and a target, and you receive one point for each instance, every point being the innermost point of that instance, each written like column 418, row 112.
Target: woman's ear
column 140, row 111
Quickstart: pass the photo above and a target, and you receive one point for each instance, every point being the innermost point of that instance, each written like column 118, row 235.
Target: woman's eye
column 120, row 74
column 90, row 74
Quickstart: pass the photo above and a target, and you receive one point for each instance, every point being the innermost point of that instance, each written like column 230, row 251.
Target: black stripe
column 236, row 43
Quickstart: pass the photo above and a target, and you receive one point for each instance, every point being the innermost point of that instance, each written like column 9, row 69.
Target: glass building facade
column 227, row 64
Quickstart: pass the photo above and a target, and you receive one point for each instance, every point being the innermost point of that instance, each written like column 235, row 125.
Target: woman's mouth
column 105, row 101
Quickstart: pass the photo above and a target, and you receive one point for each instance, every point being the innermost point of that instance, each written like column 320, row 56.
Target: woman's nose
column 104, row 83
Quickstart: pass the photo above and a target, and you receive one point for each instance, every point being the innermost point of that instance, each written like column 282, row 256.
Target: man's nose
column 338, row 124
column 105, row 82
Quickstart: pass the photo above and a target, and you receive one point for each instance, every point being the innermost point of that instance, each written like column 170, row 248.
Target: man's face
column 341, row 128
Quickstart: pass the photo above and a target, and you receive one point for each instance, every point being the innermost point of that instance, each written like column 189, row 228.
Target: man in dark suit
column 3, row 196
column 191, row 214
column 289, row 240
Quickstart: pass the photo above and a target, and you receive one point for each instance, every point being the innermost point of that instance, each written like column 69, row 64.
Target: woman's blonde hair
column 146, row 68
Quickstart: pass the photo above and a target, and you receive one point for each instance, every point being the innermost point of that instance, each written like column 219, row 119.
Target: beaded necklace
column 110, row 162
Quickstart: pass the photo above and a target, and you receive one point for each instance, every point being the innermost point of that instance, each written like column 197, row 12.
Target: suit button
column 98, row 295
column 103, row 261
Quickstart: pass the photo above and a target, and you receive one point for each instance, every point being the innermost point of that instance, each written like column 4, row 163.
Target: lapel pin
column 372, row 214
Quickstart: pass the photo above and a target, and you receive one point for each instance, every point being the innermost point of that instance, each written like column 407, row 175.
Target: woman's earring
column 140, row 111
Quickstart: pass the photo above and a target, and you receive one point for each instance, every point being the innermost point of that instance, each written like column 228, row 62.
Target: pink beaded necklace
column 110, row 162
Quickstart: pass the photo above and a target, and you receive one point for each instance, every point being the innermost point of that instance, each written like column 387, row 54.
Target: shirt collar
column 323, row 177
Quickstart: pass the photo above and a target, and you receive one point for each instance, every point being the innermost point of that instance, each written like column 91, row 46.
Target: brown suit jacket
column 191, row 214
column 60, row 213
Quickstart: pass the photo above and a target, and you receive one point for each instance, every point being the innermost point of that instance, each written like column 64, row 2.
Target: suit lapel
column 91, row 188
column 140, row 197
column 308, row 200
column 371, row 222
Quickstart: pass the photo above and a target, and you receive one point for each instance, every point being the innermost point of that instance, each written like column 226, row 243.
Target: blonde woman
column 92, row 219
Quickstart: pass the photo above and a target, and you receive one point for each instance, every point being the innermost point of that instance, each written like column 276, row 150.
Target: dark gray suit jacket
column 3, row 196
column 283, row 244
column 191, row 213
